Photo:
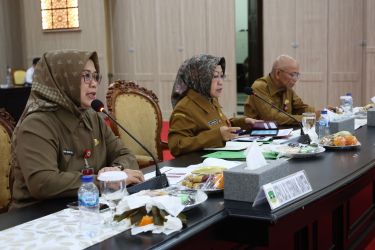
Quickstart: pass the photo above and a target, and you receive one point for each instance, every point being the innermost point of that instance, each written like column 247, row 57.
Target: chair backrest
column 137, row 109
column 19, row 76
column 7, row 124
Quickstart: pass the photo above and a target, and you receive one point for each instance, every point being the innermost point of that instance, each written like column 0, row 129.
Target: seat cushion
column 130, row 108
column 5, row 156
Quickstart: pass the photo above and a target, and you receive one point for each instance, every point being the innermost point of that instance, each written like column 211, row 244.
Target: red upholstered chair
column 137, row 109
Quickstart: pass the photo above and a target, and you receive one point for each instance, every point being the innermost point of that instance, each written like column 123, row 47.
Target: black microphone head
column 97, row 105
column 248, row 91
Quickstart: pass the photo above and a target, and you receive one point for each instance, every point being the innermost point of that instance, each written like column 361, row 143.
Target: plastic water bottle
column 88, row 202
column 8, row 77
column 323, row 124
column 347, row 103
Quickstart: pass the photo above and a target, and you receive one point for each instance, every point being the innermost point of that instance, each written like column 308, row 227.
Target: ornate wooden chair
column 137, row 109
column 7, row 124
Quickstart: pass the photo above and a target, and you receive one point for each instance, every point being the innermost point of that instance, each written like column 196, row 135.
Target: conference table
column 338, row 213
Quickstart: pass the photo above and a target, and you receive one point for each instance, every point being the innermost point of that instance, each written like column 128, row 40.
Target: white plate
column 343, row 147
column 200, row 196
column 302, row 155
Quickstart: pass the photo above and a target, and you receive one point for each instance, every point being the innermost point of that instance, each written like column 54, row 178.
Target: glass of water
column 113, row 188
column 308, row 121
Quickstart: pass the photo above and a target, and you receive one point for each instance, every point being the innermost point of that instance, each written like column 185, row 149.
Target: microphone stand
column 305, row 139
column 159, row 181
column 157, row 169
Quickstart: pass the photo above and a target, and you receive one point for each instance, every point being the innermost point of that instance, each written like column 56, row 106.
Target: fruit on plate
column 339, row 139
column 219, row 181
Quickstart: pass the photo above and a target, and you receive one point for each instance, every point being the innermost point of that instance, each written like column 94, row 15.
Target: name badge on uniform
column 68, row 152
column 213, row 122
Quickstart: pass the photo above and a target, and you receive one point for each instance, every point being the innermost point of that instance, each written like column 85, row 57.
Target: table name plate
column 284, row 190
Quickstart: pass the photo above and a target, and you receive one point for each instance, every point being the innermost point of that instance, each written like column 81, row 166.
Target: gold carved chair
column 19, row 76
column 137, row 109
column 7, row 124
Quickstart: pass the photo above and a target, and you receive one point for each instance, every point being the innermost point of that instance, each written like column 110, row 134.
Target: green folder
column 271, row 155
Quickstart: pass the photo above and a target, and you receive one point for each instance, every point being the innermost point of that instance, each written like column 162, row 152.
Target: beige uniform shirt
column 50, row 152
column 195, row 124
column 285, row 99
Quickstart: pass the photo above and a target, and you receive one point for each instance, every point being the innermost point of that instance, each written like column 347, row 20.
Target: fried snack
column 199, row 181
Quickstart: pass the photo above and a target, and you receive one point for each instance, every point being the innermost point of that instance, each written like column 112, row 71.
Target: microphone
column 305, row 139
column 160, row 180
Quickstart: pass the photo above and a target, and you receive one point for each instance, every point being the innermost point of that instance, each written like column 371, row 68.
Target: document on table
column 176, row 175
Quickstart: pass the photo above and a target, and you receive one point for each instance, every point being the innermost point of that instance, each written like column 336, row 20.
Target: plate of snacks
column 340, row 140
column 298, row 150
column 208, row 179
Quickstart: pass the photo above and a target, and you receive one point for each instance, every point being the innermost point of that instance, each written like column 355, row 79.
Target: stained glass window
column 59, row 14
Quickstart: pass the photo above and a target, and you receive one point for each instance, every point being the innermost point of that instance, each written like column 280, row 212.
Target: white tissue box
column 241, row 184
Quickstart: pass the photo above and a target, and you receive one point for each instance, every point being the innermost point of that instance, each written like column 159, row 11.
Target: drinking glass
column 308, row 121
column 113, row 188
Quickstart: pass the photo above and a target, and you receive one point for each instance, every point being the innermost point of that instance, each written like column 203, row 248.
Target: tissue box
column 346, row 124
column 241, row 184
column 371, row 117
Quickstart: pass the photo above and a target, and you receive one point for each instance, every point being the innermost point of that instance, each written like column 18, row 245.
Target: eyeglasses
column 218, row 77
column 88, row 77
column 294, row 75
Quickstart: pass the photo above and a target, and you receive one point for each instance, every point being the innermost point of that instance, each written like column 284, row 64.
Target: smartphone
column 74, row 205
column 264, row 132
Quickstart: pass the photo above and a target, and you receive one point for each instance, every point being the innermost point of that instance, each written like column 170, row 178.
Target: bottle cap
column 323, row 112
column 349, row 94
column 87, row 178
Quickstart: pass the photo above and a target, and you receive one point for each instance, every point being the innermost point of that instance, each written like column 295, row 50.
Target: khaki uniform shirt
column 50, row 152
column 285, row 99
column 195, row 124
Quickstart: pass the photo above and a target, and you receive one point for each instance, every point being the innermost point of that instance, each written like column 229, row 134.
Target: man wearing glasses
column 276, row 87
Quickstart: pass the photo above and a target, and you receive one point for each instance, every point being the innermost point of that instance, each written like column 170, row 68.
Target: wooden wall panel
column 221, row 42
column 324, row 40
column 311, row 53
column 11, row 38
column 161, row 34
column 345, row 53
column 369, row 72
column 279, row 30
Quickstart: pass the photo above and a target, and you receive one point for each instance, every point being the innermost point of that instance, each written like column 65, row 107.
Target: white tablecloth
column 60, row 230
